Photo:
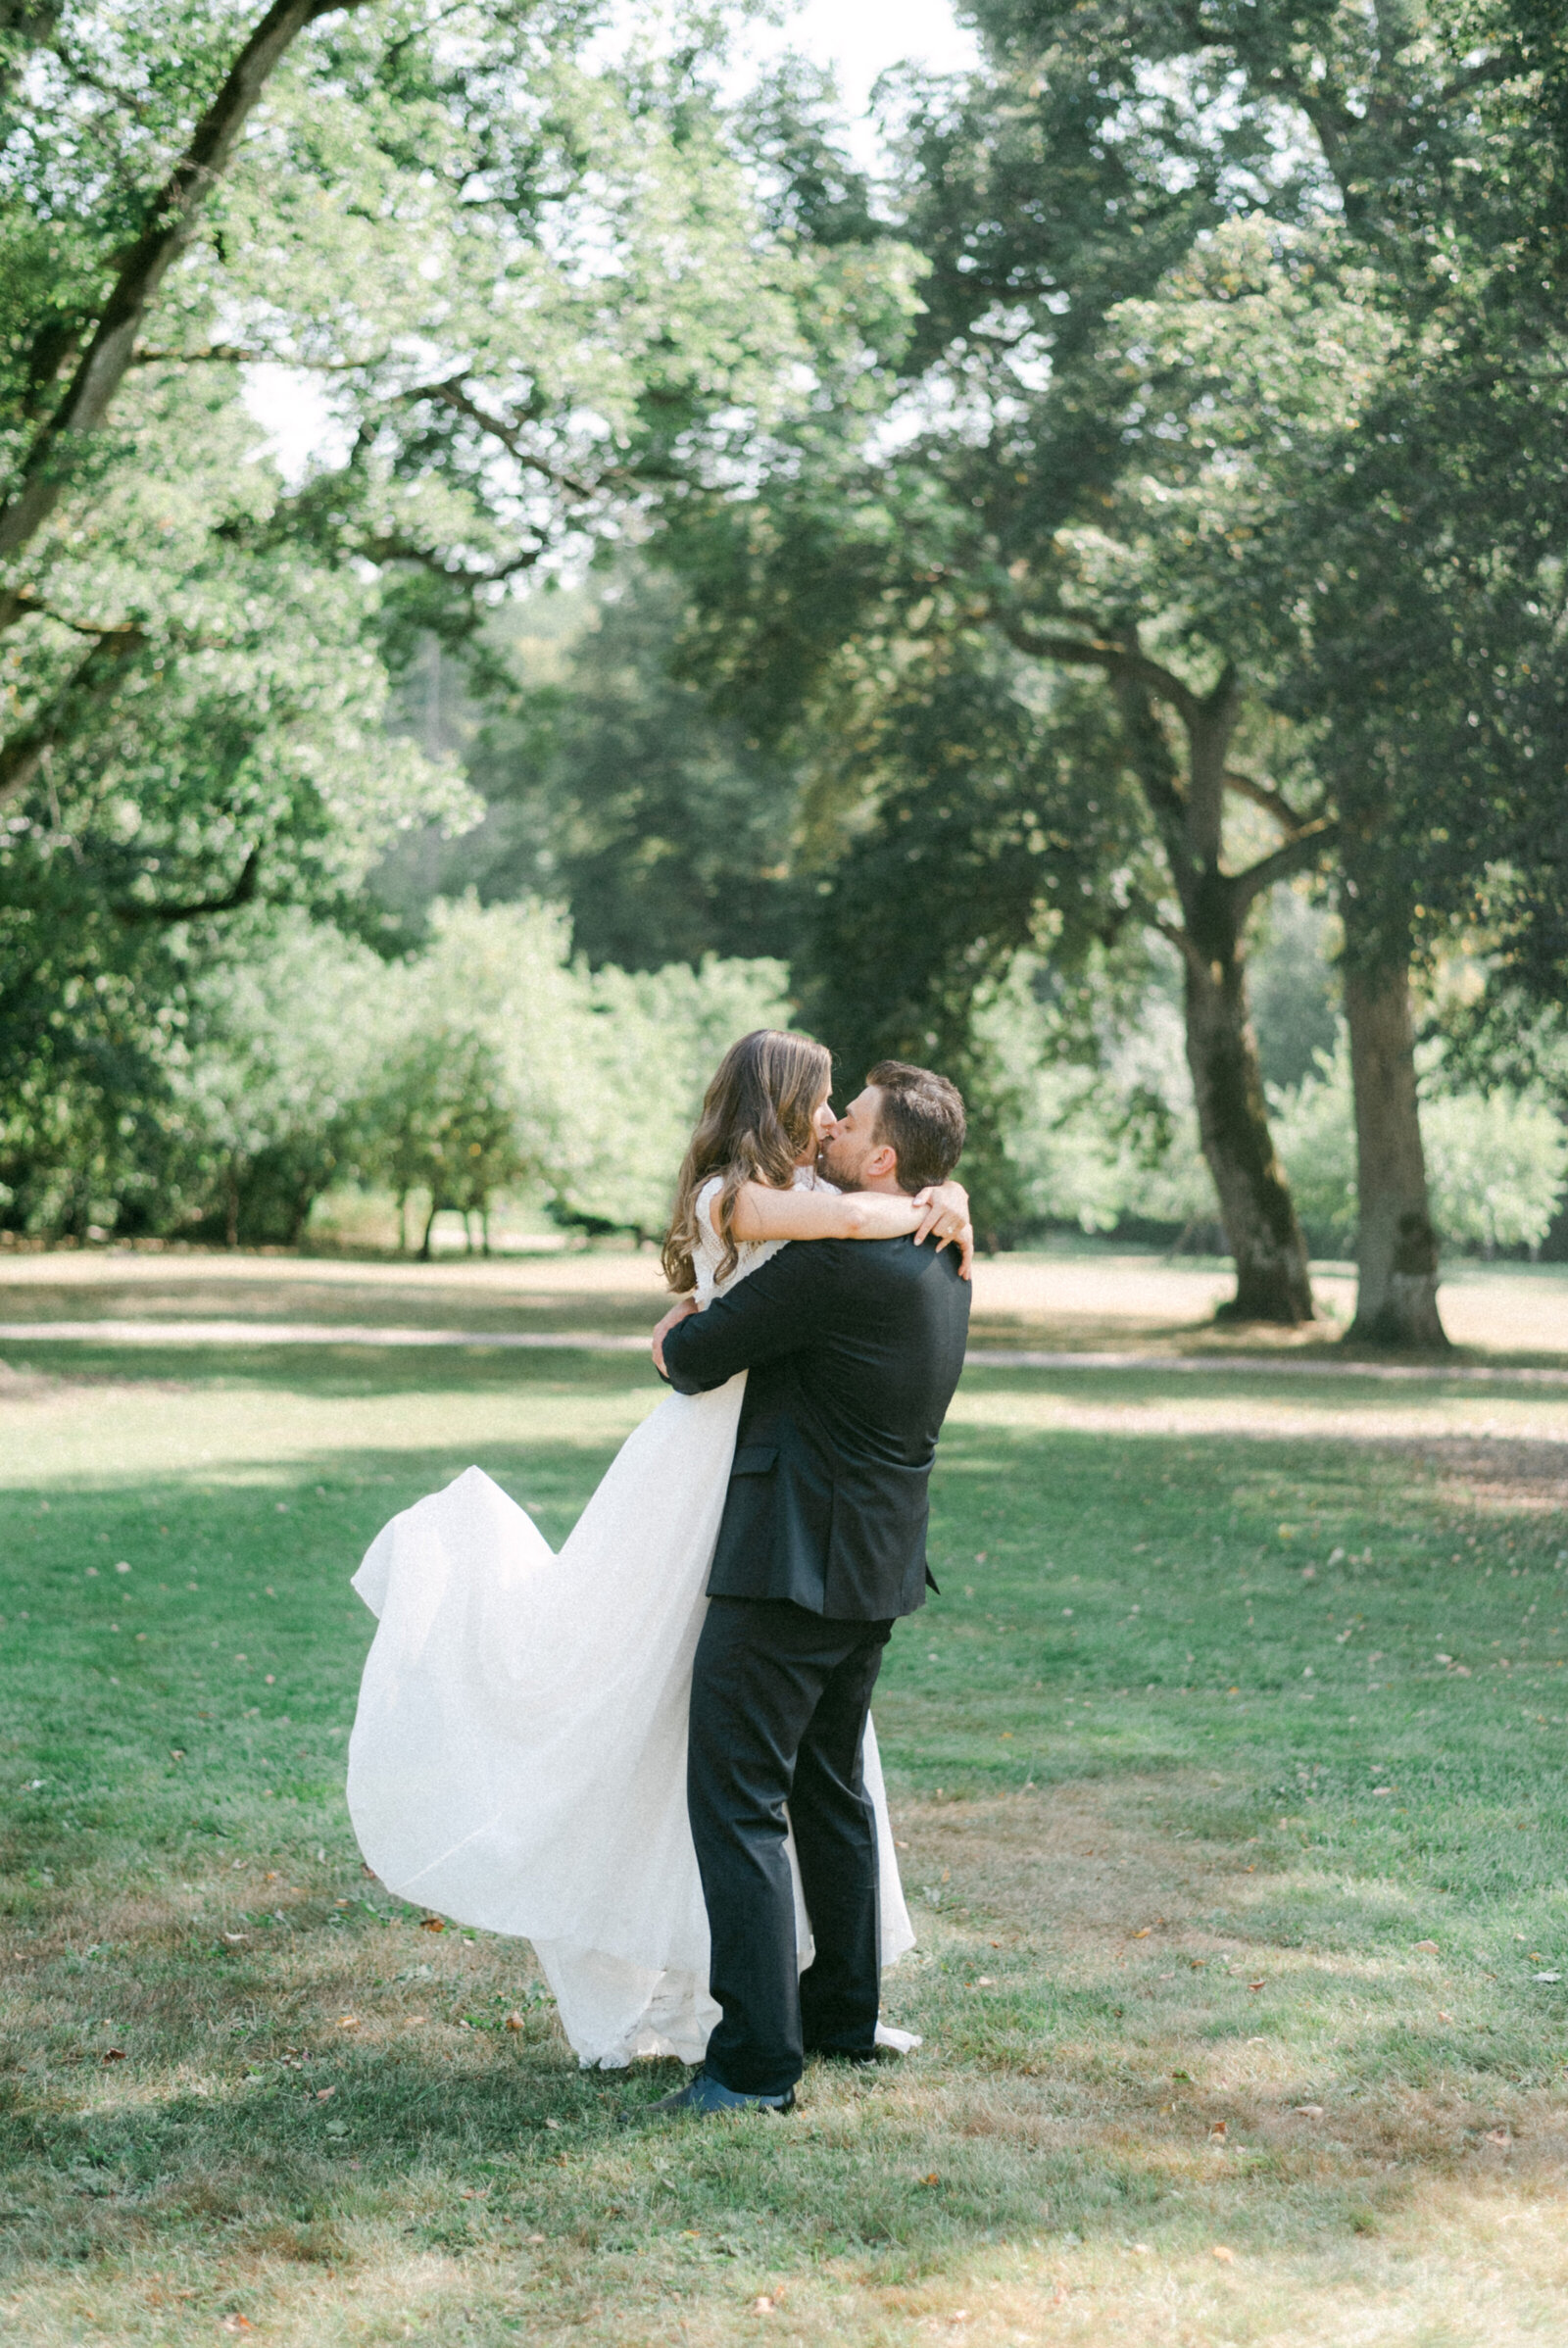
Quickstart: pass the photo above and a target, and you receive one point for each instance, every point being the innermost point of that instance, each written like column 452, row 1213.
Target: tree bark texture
column 1272, row 1279
column 1396, row 1248
column 1266, row 1242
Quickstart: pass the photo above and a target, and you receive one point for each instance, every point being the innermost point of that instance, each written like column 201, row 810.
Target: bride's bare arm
column 943, row 1211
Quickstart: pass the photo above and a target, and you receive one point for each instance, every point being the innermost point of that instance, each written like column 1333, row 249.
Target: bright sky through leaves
column 858, row 41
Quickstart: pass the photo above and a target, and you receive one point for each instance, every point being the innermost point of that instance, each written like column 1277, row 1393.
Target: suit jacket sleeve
column 774, row 1310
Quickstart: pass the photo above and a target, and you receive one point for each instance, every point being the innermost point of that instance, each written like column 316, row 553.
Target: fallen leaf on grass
column 1500, row 2137
column 348, row 2022
column 322, row 2094
column 113, row 2054
column 1217, row 2132
column 1427, row 1948
column 763, row 2306
column 1226, row 2258
column 236, row 2323
column 1444, row 2015
column 432, row 1923
column 1143, row 1934
column 235, row 1939
column 1309, row 2110
column 932, row 2180
column 514, row 2021
column 1255, row 1984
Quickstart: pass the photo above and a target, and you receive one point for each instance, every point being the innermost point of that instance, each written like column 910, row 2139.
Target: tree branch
column 1157, row 775
column 390, row 548
column 241, row 893
column 93, row 678
column 1272, row 801
column 117, row 632
column 451, row 394
column 1477, row 76
column 234, row 353
column 1103, row 653
column 1295, row 855
column 172, row 221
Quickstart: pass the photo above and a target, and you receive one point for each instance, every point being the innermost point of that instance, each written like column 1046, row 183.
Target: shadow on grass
column 1102, row 1600
column 330, row 1370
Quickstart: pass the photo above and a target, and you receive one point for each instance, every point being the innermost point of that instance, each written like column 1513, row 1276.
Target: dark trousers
column 779, row 1699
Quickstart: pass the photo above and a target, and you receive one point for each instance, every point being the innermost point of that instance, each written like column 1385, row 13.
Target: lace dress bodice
column 751, row 1252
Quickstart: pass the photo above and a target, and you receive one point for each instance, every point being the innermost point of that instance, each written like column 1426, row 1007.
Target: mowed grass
column 1229, row 1766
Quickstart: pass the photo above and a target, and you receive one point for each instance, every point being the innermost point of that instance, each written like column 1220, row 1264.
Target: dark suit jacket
column 853, row 1348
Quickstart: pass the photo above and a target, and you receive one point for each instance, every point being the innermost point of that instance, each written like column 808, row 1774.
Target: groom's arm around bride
column 853, row 1350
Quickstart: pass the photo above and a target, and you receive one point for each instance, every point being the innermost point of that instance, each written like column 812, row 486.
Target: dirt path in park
column 1115, row 1303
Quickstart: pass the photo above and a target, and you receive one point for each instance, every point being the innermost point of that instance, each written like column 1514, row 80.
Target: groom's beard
column 843, row 1178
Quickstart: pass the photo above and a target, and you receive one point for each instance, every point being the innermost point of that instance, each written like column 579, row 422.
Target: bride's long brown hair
column 756, row 1126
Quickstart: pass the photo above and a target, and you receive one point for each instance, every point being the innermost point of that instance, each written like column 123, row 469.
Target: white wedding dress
column 518, row 1755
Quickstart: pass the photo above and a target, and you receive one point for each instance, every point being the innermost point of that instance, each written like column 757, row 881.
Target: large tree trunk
column 1272, row 1281
column 1272, row 1278
column 1397, row 1297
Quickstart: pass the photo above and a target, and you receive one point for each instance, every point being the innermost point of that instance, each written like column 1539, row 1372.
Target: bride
column 519, row 1756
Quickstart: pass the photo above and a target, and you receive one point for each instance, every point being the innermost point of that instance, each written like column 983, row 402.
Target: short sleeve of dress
column 748, row 1254
column 708, row 1247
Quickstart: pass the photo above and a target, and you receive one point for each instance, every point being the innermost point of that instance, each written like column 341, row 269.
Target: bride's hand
column 945, row 1216
column 677, row 1312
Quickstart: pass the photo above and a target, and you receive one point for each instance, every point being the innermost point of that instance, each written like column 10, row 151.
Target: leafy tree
column 261, row 763
column 1499, row 1159
column 1205, row 399
column 284, row 1039
column 907, row 595
column 443, row 1125
column 597, row 1076
column 423, row 208
column 609, row 784
column 1394, row 554
column 525, row 272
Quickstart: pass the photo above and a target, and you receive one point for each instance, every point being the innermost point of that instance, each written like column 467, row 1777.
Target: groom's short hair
column 920, row 1117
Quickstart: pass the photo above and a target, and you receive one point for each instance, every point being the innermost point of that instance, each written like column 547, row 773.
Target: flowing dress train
column 518, row 1755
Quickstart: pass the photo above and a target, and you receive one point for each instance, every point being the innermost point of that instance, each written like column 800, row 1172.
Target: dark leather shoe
column 704, row 2098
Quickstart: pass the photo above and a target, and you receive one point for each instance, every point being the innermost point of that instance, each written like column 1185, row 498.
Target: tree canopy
column 1010, row 575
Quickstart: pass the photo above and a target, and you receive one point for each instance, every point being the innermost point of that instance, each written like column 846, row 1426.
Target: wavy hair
column 756, row 1126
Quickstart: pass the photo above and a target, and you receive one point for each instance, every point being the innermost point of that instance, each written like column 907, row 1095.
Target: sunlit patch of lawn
column 1239, row 1910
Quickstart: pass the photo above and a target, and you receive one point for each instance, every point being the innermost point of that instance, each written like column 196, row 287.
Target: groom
column 853, row 1349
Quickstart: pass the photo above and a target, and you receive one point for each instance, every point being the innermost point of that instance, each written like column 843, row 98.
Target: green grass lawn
column 1229, row 1766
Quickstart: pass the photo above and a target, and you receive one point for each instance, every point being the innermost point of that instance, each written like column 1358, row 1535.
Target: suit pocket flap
column 753, row 1460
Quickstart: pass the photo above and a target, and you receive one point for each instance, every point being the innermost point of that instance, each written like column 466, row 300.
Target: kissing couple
column 652, row 1755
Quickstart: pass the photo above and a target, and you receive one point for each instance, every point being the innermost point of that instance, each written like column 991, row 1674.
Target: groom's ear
column 880, row 1164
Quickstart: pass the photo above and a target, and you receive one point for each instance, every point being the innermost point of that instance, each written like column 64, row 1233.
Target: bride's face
column 822, row 1124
